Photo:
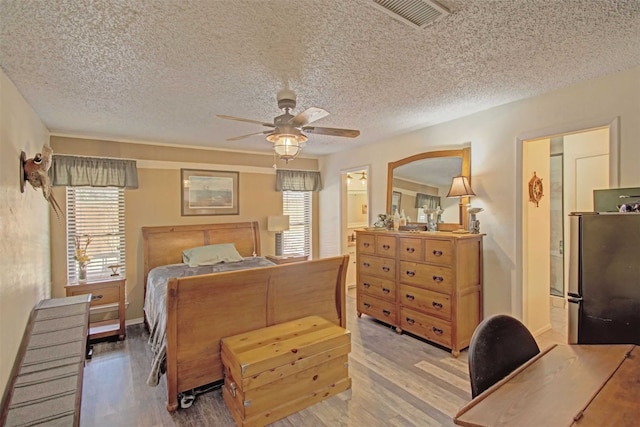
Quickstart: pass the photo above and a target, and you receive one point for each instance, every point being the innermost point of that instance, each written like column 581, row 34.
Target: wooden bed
column 203, row 309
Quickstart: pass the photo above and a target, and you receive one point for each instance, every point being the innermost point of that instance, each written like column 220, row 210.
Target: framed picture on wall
column 396, row 199
column 205, row 192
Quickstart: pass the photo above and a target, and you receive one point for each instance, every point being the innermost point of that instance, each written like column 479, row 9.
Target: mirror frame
column 464, row 153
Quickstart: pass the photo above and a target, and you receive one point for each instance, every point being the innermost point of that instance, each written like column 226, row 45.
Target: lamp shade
column 460, row 187
column 278, row 222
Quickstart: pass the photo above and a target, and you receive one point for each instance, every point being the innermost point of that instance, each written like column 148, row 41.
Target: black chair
column 498, row 346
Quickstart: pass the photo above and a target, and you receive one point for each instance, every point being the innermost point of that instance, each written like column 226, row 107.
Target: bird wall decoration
column 35, row 171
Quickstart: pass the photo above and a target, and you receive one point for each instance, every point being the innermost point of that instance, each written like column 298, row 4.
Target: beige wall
column 24, row 225
column 495, row 166
column 536, row 236
column 157, row 200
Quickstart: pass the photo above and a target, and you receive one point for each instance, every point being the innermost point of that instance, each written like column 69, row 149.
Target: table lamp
column 461, row 188
column 278, row 223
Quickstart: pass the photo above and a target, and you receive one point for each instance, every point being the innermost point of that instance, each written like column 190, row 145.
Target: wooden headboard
column 164, row 245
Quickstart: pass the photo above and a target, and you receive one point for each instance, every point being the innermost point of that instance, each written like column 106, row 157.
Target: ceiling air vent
column 416, row 13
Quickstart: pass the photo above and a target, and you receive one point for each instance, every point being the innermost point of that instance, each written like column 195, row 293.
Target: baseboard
column 136, row 321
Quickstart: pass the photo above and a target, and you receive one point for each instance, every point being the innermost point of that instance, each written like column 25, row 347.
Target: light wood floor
column 397, row 381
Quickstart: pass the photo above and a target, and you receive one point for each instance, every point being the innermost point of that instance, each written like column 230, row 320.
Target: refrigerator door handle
column 574, row 298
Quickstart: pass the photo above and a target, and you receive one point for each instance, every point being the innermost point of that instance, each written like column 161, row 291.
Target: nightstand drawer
column 100, row 294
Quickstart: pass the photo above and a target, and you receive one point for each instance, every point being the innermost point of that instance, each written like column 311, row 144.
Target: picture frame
column 396, row 199
column 209, row 192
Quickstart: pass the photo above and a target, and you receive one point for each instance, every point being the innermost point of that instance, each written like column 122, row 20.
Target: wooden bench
column 45, row 387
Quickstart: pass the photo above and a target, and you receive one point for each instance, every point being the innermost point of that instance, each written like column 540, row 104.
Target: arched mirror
column 425, row 179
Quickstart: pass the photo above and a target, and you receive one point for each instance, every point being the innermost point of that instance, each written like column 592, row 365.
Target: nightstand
column 286, row 259
column 106, row 295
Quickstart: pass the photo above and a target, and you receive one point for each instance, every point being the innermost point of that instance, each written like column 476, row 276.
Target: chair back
column 498, row 346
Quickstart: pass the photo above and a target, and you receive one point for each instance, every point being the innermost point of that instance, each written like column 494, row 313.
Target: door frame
column 517, row 293
column 343, row 199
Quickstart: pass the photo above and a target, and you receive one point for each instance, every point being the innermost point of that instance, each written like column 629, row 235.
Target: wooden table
column 578, row 385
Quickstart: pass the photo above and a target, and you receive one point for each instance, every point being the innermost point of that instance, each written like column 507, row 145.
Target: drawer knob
column 385, row 269
column 366, row 244
column 438, row 279
column 437, row 331
column 386, row 290
column 410, row 321
column 96, row 297
column 366, row 264
column 386, row 247
column 386, row 312
column 411, row 250
column 367, row 305
column 436, row 305
column 410, row 297
column 366, row 285
column 437, row 253
column 410, row 273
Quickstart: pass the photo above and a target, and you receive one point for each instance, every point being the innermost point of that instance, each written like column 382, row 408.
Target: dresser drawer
column 429, row 302
column 385, row 311
column 377, row 287
column 386, row 246
column 440, row 279
column 377, row 266
column 438, row 251
column 100, row 294
column 428, row 327
column 366, row 243
column 411, row 249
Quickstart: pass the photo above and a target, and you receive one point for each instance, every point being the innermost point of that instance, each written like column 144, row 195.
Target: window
column 297, row 239
column 96, row 213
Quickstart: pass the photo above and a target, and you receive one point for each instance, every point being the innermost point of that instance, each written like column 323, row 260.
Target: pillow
column 211, row 254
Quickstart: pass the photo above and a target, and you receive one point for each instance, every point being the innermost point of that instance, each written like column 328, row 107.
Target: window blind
column 96, row 213
column 297, row 239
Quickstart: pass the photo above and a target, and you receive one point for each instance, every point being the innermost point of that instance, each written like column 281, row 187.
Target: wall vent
column 416, row 13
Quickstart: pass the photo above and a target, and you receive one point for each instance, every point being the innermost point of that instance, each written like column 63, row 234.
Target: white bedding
column 155, row 303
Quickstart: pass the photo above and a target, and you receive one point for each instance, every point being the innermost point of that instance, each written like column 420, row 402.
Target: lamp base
column 279, row 244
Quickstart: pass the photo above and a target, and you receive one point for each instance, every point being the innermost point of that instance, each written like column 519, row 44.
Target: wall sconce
column 349, row 178
column 460, row 188
column 278, row 223
column 363, row 178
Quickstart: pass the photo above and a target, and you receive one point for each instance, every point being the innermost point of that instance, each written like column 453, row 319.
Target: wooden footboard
column 203, row 309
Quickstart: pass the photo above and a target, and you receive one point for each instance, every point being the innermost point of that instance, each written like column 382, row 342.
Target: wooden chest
column 276, row 371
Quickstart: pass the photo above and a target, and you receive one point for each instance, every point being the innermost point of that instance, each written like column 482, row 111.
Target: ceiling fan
column 288, row 131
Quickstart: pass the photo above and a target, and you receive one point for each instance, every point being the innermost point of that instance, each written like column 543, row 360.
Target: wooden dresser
column 425, row 283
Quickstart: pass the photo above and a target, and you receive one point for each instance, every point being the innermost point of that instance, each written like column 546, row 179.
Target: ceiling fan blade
column 239, row 119
column 307, row 116
column 236, row 138
column 349, row 133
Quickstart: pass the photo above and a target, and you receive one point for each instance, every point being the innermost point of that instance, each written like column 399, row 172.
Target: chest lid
column 268, row 348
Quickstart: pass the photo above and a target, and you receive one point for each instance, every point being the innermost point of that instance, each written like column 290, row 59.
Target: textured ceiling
column 161, row 70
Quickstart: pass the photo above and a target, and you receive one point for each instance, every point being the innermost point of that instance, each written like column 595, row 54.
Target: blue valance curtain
column 76, row 171
column 296, row 180
column 432, row 202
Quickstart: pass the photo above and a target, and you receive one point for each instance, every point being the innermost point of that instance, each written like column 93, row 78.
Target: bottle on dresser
column 396, row 220
column 403, row 219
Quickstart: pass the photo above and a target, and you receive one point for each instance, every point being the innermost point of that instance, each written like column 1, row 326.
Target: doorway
column 355, row 214
column 572, row 164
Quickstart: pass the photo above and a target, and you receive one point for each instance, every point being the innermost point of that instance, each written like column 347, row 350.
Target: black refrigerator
column 604, row 278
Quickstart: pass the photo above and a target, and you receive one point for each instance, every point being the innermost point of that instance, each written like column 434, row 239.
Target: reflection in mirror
column 423, row 180
column 425, row 183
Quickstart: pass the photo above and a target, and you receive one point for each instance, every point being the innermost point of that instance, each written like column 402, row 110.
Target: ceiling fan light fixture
column 287, row 146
